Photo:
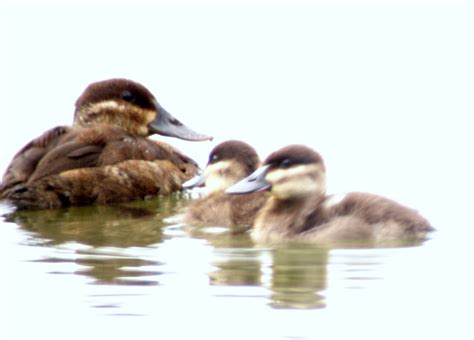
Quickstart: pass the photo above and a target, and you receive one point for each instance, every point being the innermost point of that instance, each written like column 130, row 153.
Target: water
column 131, row 270
column 382, row 89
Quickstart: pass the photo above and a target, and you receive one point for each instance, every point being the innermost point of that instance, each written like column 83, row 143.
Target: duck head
column 293, row 172
column 131, row 106
column 228, row 163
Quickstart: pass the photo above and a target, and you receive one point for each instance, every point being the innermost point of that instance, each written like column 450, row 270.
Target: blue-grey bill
column 167, row 125
column 253, row 183
column 194, row 182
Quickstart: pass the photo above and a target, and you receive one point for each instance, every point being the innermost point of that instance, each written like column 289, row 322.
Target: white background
column 383, row 90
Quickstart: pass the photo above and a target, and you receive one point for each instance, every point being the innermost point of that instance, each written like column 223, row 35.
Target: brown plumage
column 299, row 209
column 105, row 156
column 220, row 209
column 228, row 163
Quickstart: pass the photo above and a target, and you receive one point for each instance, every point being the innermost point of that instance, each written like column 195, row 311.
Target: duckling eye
column 286, row 163
column 214, row 158
column 128, row 96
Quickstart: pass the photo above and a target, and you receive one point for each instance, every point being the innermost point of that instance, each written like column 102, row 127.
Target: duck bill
column 197, row 181
column 167, row 125
column 253, row 183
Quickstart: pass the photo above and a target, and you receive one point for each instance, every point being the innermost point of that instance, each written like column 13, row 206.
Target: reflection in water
column 114, row 269
column 137, row 245
column 95, row 239
column 124, row 225
column 294, row 276
column 298, row 277
column 236, row 267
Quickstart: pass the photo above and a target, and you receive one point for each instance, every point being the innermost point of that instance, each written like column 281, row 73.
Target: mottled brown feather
column 25, row 161
column 96, row 179
column 128, row 180
column 101, row 166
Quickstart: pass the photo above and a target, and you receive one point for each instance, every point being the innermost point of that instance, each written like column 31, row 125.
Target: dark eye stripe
column 286, row 163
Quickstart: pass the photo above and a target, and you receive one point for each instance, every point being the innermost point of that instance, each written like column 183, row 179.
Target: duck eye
column 128, row 96
column 214, row 158
column 285, row 163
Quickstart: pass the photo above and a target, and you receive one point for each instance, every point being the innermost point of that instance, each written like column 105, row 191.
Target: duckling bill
column 299, row 209
column 105, row 157
column 229, row 162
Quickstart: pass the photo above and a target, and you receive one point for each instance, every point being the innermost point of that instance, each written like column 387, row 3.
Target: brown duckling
column 228, row 163
column 299, row 209
column 105, row 156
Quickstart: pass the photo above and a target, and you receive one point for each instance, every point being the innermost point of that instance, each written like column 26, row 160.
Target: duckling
column 228, row 163
column 105, row 157
column 299, row 209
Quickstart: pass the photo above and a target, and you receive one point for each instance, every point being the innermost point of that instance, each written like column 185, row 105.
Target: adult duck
column 105, row 156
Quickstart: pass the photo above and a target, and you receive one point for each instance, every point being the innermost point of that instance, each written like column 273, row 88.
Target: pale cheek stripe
column 108, row 104
column 294, row 173
column 296, row 181
column 216, row 167
column 215, row 181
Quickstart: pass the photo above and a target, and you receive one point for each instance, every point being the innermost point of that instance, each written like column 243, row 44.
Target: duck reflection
column 100, row 238
column 136, row 224
column 120, row 270
column 295, row 277
column 236, row 260
column 236, row 267
column 298, row 277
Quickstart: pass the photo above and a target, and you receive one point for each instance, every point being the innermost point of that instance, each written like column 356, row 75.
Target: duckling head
column 293, row 172
column 229, row 162
column 130, row 106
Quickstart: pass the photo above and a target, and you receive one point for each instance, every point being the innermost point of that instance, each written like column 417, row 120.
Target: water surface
column 132, row 270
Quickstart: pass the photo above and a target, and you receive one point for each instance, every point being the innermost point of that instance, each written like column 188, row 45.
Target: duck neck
column 297, row 214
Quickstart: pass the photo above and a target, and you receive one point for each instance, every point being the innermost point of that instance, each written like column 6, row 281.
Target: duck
column 299, row 210
column 105, row 156
column 229, row 162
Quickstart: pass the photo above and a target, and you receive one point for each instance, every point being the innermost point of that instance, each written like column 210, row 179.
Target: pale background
column 383, row 90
